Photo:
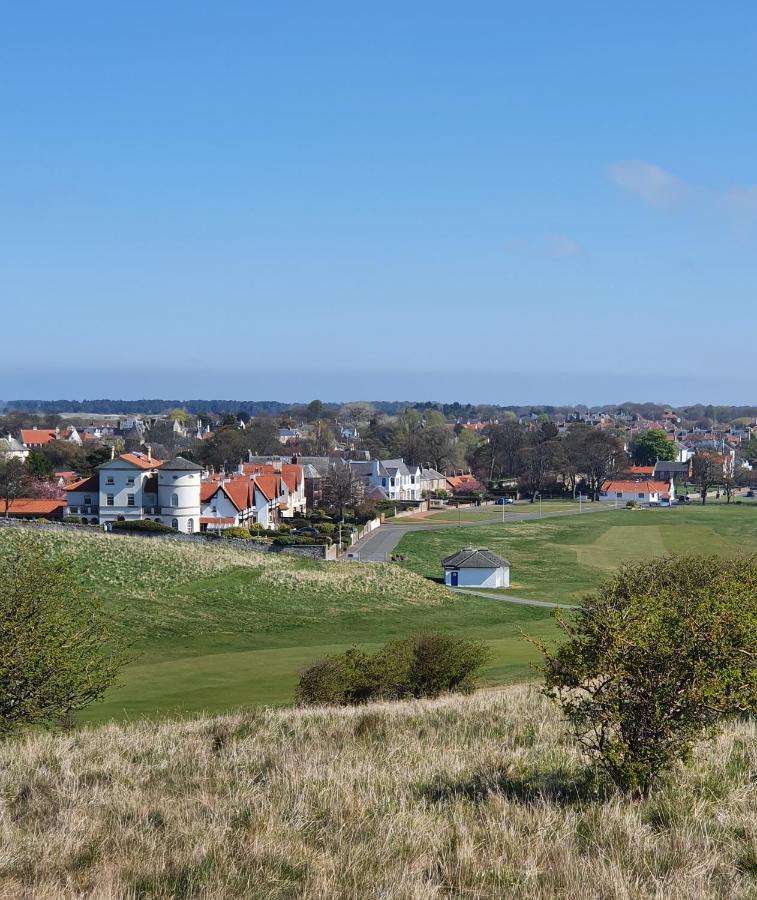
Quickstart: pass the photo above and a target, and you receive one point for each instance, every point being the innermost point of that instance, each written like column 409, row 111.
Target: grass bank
column 462, row 797
column 215, row 628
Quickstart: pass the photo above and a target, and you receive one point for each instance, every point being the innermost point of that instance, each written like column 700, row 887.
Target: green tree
column 650, row 446
column 38, row 465
column 56, row 652
column 655, row 658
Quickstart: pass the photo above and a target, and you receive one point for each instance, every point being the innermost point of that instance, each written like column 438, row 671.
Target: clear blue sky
column 484, row 201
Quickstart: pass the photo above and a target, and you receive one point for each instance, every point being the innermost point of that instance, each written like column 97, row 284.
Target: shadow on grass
column 553, row 788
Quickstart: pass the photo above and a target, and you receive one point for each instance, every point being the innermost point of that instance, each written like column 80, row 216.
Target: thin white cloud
column 650, row 182
column 560, row 245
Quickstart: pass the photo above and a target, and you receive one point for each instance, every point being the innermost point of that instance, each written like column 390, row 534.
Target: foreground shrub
column 239, row 532
column 425, row 665
column 142, row 525
column 54, row 638
column 655, row 659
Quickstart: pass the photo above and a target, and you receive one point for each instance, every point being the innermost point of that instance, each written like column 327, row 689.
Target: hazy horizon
column 506, row 389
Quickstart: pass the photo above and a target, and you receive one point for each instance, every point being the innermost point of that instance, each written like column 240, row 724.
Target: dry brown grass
column 472, row 797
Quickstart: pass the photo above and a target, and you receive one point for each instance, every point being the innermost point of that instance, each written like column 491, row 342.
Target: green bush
column 655, row 658
column 72, row 520
column 632, row 504
column 293, row 540
column 142, row 525
column 425, row 665
column 237, row 531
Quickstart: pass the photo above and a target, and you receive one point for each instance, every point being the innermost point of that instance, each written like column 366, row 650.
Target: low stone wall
column 307, row 551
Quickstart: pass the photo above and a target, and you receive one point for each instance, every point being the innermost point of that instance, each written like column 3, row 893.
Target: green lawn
column 564, row 557
column 488, row 513
column 213, row 628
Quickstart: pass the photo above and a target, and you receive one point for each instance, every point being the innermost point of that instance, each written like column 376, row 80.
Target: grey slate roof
column 180, row 465
column 666, row 466
column 472, row 558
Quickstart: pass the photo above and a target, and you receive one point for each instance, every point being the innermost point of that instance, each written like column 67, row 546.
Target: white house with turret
column 136, row 486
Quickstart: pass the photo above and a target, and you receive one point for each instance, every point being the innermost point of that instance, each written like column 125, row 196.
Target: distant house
column 471, row 567
column 643, row 493
column 464, row 484
column 676, row 471
column 389, row 479
column 431, row 480
column 11, row 448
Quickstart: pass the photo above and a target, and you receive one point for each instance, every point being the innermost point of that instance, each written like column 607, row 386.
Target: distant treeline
column 463, row 411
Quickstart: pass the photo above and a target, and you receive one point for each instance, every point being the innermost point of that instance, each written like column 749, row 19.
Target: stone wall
column 306, row 551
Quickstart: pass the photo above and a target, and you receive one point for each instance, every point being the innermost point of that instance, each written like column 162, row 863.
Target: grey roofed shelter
column 472, row 558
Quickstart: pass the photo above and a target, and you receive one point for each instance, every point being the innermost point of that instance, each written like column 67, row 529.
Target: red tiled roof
column 464, row 483
column 207, row 490
column 37, row 435
column 216, row 520
column 24, row 507
column 641, row 470
column 88, row 485
column 270, row 485
column 141, row 461
column 239, row 493
column 638, row 487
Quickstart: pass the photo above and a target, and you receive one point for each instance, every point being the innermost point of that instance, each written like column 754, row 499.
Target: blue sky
column 545, row 202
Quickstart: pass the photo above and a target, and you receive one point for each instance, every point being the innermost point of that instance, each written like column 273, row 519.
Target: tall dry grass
column 474, row 797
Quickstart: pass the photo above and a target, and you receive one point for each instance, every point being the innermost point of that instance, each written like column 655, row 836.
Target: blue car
column 503, row 501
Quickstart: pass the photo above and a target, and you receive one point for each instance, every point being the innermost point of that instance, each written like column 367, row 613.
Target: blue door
column 453, row 579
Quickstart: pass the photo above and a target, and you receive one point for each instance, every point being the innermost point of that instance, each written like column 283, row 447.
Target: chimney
column 149, row 453
column 113, row 452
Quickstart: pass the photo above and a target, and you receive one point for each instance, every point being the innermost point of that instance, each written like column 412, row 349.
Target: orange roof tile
column 91, row 484
column 270, row 485
column 141, row 461
column 25, row 507
column 207, row 490
column 37, row 435
column 638, row 487
column 239, row 493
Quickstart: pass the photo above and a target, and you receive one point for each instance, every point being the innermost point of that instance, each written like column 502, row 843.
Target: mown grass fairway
column 562, row 558
column 214, row 628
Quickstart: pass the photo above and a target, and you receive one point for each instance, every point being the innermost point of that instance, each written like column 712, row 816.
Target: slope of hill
column 212, row 628
column 481, row 796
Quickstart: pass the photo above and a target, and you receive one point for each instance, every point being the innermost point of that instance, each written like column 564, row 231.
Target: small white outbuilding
column 476, row 567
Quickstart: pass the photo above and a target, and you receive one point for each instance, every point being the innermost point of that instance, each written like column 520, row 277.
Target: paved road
column 519, row 601
column 379, row 544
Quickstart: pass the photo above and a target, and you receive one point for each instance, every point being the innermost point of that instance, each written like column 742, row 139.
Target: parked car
column 312, row 531
column 750, row 493
column 503, row 501
column 684, row 499
column 664, row 502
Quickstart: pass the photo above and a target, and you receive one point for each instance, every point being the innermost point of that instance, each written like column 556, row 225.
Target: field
column 562, row 558
column 493, row 513
column 212, row 629
column 477, row 797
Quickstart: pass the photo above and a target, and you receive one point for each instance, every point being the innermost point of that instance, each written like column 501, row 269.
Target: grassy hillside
column 462, row 797
column 562, row 558
column 215, row 628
